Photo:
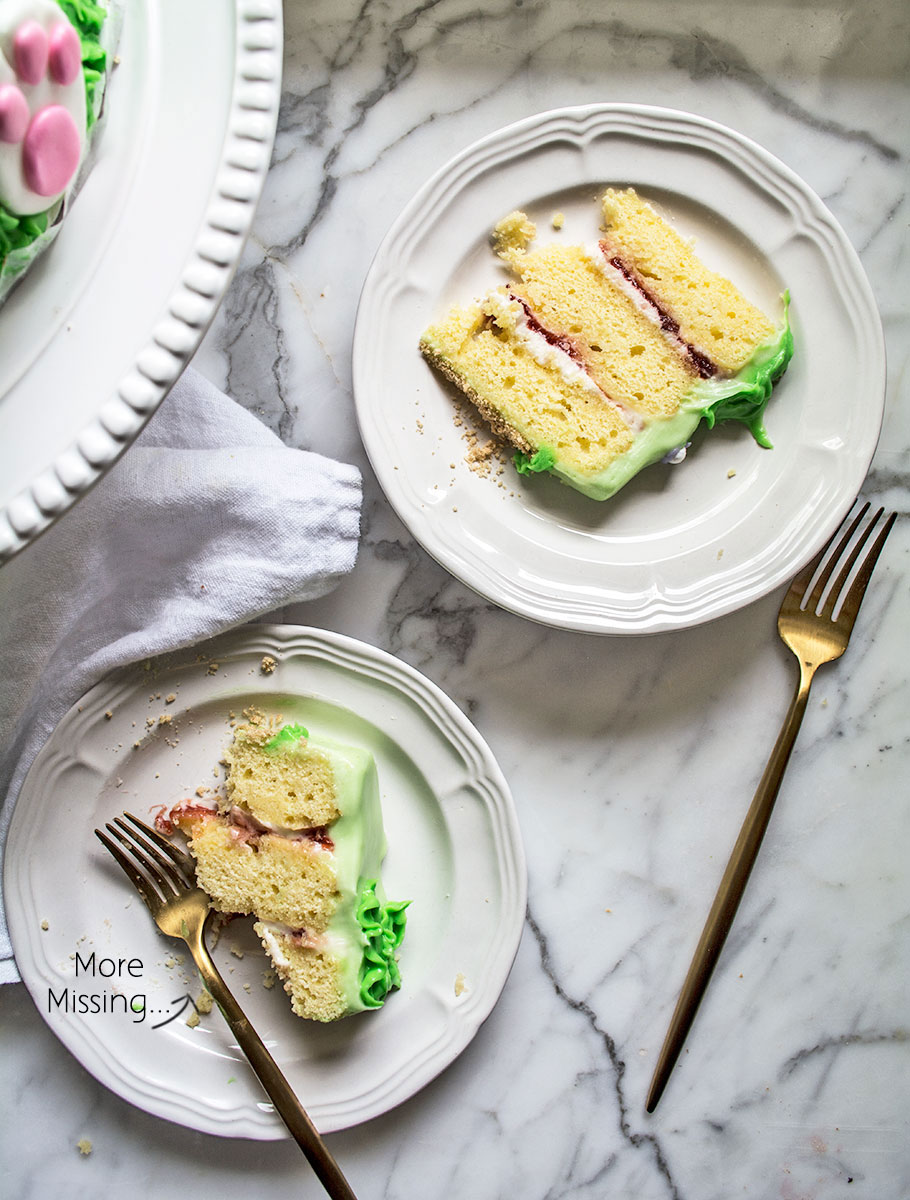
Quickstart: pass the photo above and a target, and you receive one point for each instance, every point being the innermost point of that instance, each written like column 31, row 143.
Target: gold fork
column 167, row 884
column 816, row 625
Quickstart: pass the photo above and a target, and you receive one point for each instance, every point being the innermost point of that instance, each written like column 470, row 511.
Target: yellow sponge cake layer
column 313, row 975
column 712, row 314
column 281, row 779
column 569, row 291
column 477, row 348
column 277, row 878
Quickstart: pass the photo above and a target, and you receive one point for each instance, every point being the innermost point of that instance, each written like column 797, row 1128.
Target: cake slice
column 298, row 842
column 595, row 361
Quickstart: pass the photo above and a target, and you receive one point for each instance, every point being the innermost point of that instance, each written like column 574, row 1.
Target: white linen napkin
column 207, row 521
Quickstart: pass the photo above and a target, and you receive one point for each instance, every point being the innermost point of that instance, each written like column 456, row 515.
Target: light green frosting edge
column 742, row 397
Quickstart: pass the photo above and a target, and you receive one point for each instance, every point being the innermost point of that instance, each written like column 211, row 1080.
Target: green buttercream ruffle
column 285, row 739
column 543, row 459
column 18, row 233
column 383, row 928
column 745, row 397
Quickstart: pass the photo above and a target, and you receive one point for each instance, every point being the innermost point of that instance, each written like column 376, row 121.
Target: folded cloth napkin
column 207, row 521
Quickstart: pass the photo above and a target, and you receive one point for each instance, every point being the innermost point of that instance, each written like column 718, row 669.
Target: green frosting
column 543, row 459
column 745, row 396
column 87, row 19
column 286, row 738
column 383, row 928
column 22, row 238
column 742, row 397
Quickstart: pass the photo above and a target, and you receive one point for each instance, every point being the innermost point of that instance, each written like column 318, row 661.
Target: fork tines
column 167, row 869
column 823, row 596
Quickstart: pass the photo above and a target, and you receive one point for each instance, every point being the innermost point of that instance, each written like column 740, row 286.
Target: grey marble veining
column 631, row 760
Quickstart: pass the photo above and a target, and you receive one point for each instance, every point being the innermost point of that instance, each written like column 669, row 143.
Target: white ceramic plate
column 679, row 545
column 455, row 852
column 101, row 327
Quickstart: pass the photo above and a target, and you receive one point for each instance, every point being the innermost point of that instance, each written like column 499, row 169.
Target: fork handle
column 270, row 1076
column 731, row 889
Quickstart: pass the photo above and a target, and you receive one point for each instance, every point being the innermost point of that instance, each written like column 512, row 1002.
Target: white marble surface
column 631, row 760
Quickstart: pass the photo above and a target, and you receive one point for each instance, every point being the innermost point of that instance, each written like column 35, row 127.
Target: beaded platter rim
column 194, row 299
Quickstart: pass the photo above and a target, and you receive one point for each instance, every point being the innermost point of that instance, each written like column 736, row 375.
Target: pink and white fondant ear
column 42, row 105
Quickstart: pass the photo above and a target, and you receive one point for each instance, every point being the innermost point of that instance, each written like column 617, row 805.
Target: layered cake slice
column 595, row 361
column 298, row 842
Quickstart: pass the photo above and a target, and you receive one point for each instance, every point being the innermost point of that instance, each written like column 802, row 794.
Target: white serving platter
column 98, row 331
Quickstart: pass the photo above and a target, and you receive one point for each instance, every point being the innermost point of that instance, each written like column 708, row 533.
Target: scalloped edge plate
column 98, row 332
column 454, row 850
column 678, row 545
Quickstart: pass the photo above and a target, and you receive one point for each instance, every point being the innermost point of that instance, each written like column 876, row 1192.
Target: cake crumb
column 558, row 220
column 193, row 1019
column 212, row 668
column 269, row 979
column 513, row 234
column 165, row 719
column 109, row 714
column 170, row 698
column 720, row 555
column 268, row 665
column 44, row 924
column 204, row 1002
column 84, row 1146
column 731, row 473
column 236, row 951
column 460, row 984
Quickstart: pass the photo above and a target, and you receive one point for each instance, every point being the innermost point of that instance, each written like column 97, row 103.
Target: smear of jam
column 320, row 836
column 555, row 339
column 244, row 825
column 185, row 811
column 702, row 364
